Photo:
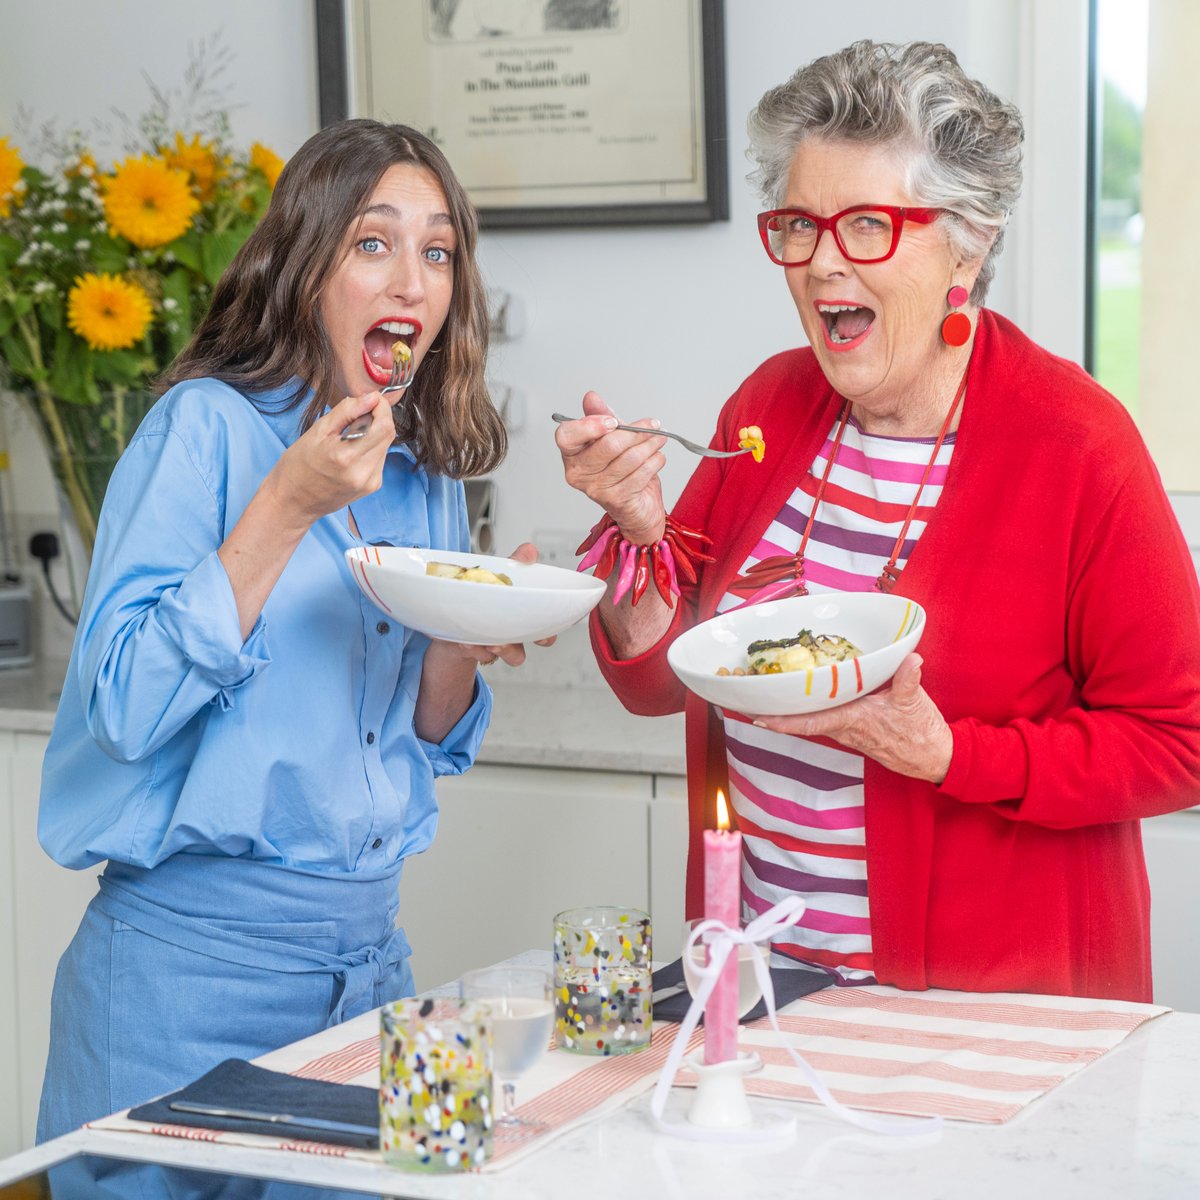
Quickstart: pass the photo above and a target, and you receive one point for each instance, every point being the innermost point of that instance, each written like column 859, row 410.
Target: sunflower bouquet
column 104, row 273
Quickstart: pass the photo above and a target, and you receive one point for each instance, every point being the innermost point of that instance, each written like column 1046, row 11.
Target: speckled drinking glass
column 435, row 1089
column 602, row 980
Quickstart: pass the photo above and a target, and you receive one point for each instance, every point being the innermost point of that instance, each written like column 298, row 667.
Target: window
column 1113, row 344
column 1145, row 186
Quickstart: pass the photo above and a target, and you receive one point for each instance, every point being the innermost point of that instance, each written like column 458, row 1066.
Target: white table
column 1127, row 1127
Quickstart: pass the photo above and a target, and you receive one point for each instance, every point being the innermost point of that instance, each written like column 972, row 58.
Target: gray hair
column 960, row 142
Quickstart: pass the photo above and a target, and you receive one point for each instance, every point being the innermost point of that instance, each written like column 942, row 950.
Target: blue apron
column 199, row 959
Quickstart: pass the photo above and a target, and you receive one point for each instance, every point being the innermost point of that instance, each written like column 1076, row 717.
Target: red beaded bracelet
column 663, row 561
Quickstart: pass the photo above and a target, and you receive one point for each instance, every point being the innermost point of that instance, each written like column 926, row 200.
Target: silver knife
column 242, row 1114
column 667, row 992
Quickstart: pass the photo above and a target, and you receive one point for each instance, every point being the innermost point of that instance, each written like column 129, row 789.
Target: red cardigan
column 1062, row 646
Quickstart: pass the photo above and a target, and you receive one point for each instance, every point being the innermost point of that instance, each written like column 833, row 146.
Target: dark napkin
column 236, row 1083
column 790, row 983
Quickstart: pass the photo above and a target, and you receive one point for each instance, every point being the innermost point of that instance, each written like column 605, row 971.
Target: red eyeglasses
column 866, row 233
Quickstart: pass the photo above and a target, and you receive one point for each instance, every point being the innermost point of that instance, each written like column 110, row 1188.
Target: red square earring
column 956, row 328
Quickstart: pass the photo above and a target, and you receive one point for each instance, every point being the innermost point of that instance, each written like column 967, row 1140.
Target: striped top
column 799, row 803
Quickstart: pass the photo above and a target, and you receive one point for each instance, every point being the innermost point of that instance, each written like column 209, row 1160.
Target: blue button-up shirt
column 295, row 746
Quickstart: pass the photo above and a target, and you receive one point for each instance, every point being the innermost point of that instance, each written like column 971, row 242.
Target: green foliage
column 86, row 385
column 1118, row 323
column 1121, row 148
column 57, row 232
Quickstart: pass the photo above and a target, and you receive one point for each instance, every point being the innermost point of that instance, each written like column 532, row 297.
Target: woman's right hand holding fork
column 619, row 470
column 616, row 469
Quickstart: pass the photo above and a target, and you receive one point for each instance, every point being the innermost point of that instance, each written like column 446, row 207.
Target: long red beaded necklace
column 788, row 569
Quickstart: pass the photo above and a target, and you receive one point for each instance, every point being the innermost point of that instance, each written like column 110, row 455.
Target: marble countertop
column 558, row 712
column 29, row 695
column 1123, row 1127
column 577, row 725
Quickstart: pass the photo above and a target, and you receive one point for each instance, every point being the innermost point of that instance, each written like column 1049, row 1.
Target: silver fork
column 694, row 447
column 403, row 371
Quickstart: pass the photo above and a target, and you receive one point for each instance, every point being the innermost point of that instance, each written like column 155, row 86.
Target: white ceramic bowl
column 542, row 601
column 884, row 627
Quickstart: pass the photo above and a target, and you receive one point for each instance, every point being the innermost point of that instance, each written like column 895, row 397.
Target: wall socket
column 557, row 547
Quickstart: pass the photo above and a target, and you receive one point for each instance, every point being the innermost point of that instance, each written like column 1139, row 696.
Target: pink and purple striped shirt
column 799, row 803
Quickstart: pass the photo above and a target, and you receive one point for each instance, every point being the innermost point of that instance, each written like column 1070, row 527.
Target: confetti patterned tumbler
column 435, row 1088
column 602, row 980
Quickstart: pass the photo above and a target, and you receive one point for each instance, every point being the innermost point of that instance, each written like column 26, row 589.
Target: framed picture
column 551, row 112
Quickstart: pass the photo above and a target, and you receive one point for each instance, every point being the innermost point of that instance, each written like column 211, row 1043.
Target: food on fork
column 799, row 653
column 750, row 437
column 470, row 574
column 401, row 353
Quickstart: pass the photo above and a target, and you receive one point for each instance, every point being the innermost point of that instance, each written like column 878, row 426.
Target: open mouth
column 378, row 342
column 845, row 324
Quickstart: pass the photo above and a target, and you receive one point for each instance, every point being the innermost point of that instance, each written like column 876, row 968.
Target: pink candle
column 722, row 891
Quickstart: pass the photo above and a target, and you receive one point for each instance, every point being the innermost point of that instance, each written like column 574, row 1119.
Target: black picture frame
column 334, row 104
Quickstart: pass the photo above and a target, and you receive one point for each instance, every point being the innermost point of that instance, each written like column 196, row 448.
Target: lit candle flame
column 722, row 812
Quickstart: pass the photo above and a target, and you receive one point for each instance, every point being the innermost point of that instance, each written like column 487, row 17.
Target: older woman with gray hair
column 974, row 825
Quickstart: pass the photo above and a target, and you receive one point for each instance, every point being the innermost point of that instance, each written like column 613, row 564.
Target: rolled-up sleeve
column 160, row 638
column 456, row 752
column 201, row 617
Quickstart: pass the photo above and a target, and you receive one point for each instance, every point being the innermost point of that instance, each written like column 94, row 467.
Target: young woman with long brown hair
column 241, row 738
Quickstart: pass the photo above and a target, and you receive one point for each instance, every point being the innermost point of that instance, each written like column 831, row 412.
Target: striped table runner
column 564, row 1090
column 970, row 1057
column 965, row 1056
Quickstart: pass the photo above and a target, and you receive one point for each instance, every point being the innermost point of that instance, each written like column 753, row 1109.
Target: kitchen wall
column 667, row 322
column 662, row 321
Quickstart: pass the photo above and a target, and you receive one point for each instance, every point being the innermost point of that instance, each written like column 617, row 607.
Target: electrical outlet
column 556, row 547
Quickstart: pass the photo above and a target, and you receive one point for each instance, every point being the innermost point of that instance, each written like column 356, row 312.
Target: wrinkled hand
column 899, row 727
column 616, row 469
column 319, row 473
column 514, row 652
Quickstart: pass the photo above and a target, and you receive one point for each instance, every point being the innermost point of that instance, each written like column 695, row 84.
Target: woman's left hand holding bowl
column 899, row 726
column 512, row 653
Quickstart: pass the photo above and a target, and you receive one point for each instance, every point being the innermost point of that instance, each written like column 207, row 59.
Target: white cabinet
column 515, row 845
column 11, row 1138
column 668, row 864
column 1173, row 861
column 42, row 907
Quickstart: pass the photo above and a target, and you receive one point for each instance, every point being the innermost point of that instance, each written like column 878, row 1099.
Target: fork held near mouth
column 403, row 370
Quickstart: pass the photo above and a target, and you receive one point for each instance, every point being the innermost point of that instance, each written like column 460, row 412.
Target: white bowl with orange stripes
column 542, row 602
column 884, row 627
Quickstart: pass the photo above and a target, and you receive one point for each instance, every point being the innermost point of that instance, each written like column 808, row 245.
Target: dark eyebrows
column 391, row 212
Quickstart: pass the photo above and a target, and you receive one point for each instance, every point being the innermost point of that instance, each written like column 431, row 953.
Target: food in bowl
column 474, row 574
column 542, row 602
column 773, row 656
column 884, row 626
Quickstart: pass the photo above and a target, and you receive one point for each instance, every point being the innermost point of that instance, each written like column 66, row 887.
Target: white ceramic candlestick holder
column 720, row 1098
column 719, row 1110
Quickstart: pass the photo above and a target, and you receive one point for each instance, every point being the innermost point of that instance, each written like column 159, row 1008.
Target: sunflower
column 149, row 202
column 199, row 159
column 267, row 161
column 11, row 166
column 108, row 312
